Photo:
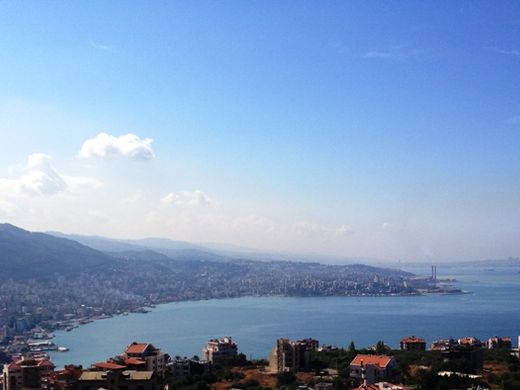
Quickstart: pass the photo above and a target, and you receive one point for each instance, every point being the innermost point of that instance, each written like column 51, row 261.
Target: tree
column 352, row 348
column 380, row 347
column 285, row 378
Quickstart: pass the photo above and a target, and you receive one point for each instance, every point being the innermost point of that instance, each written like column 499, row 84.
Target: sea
column 491, row 307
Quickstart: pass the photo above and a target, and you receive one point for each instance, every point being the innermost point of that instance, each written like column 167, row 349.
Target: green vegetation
column 285, row 378
column 418, row 368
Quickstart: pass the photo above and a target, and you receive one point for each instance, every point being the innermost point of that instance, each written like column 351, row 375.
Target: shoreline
column 76, row 323
column 73, row 323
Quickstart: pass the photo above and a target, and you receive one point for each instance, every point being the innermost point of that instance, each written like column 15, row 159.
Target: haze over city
column 336, row 128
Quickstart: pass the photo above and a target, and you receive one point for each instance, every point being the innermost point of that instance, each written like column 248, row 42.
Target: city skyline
column 365, row 130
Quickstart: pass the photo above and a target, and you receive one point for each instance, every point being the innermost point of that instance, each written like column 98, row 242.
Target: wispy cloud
column 195, row 198
column 394, row 52
column 507, row 52
column 101, row 46
column 379, row 54
column 41, row 179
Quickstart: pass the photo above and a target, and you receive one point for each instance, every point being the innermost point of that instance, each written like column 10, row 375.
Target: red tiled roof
column 468, row 340
column 109, row 366
column 413, row 339
column 31, row 362
column 375, row 360
column 386, row 385
column 137, row 348
column 134, row 361
column 45, row 363
column 368, row 387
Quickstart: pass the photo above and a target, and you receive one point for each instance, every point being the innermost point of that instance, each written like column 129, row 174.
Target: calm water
column 183, row 328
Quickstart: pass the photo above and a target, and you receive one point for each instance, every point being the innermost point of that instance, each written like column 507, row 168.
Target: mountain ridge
column 26, row 254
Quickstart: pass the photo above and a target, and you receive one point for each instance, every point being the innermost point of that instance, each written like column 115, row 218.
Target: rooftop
column 375, row 360
column 109, row 366
column 134, row 361
column 137, row 347
column 413, row 339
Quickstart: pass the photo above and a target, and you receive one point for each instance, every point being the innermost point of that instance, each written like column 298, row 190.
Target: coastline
column 184, row 326
column 144, row 309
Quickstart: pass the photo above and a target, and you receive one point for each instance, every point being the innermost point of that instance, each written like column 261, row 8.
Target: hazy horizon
column 357, row 130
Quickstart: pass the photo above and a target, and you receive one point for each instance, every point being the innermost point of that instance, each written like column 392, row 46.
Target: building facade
column 499, row 343
column 27, row 374
column 292, row 355
column 413, row 344
column 118, row 380
column 155, row 360
column 219, row 349
column 374, row 368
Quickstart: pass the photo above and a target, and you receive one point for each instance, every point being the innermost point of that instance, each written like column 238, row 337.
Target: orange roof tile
column 413, row 339
column 468, row 340
column 109, row 366
column 385, row 385
column 376, row 360
column 45, row 363
column 137, row 348
column 134, row 361
column 40, row 362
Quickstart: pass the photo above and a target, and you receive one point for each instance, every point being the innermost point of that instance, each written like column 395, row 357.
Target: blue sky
column 369, row 129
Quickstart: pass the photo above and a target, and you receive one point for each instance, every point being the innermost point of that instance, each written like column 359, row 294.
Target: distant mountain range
column 177, row 250
column 39, row 256
column 25, row 254
column 206, row 251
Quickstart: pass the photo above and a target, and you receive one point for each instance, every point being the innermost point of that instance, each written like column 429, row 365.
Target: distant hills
column 25, row 254
column 56, row 282
column 163, row 270
column 177, row 250
column 183, row 250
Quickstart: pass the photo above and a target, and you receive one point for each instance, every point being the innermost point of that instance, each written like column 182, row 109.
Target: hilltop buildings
column 144, row 367
column 182, row 366
column 374, row 368
column 382, row 386
column 154, row 359
column 65, row 379
column 118, row 380
column 292, row 356
column 413, row 344
column 469, row 348
column 499, row 343
column 219, row 349
column 26, row 374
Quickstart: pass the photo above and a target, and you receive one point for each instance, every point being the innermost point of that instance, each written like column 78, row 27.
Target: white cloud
column 399, row 53
column 41, row 179
column 344, row 230
column 508, row 52
column 128, row 146
column 195, row 198
column 379, row 54
column 101, row 46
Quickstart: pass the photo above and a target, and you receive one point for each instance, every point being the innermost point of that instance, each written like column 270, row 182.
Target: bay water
column 491, row 308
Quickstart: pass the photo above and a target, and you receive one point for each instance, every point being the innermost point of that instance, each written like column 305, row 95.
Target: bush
column 285, row 378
